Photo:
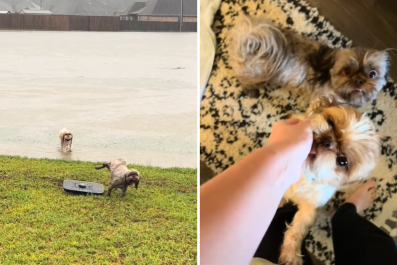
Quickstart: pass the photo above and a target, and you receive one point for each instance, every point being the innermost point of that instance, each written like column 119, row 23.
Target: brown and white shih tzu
column 261, row 53
column 66, row 138
column 345, row 150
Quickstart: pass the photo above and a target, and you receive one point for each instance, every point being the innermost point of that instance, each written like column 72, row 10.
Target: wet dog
column 66, row 138
column 121, row 176
column 345, row 150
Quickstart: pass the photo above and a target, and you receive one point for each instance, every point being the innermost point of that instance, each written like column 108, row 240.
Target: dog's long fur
column 260, row 53
column 121, row 176
column 66, row 138
column 341, row 134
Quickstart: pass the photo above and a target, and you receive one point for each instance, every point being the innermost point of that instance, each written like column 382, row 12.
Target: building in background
column 143, row 10
column 5, row 8
column 162, row 10
column 132, row 12
column 100, row 15
column 35, row 12
column 84, row 8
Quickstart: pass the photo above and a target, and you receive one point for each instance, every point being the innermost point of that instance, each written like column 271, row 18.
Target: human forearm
column 238, row 205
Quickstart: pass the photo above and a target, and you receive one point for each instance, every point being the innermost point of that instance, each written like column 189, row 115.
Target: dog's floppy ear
column 322, row 61
column 384, row 56
column 132, row 177
column 388, row 62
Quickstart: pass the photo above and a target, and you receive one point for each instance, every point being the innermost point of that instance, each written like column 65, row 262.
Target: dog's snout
column 359, row 81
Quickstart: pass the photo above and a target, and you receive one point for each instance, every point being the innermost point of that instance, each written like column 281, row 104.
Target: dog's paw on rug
column 232, row 126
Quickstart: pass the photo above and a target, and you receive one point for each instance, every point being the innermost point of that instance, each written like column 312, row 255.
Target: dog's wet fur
column 121, row 176
column 66, row 138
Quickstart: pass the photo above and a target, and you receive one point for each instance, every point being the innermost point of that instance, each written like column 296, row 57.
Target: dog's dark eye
column 347, row 71
column 342, row 161
column 330, row 122
column 372, row 74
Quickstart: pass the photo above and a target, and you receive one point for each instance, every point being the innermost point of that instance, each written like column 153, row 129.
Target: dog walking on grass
column 121, row 176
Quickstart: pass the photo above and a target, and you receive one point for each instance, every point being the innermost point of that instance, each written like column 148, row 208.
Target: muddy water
column 130, row 95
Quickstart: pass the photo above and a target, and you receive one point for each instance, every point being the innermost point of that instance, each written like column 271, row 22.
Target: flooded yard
column 122, row 94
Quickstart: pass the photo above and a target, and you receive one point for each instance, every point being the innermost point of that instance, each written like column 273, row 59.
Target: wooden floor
column 368, row 23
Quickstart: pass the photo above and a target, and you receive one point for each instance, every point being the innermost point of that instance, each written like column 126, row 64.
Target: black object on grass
column 82, row 188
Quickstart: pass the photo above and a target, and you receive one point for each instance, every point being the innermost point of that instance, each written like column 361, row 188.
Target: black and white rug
column 232, row 126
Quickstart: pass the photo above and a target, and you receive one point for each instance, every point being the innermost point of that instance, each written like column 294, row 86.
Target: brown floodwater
column 122, row 94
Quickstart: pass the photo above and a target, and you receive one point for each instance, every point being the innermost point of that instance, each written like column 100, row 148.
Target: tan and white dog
column 66, row 138
column 345, row 150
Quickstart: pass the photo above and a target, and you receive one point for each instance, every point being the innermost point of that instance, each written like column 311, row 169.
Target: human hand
column 294, row 139
column 293, row 133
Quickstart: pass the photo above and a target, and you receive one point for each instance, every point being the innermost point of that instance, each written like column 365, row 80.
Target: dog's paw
column 290, row 254
column 290, row 259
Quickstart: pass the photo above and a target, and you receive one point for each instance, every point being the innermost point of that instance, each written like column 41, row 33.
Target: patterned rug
column 232, row 126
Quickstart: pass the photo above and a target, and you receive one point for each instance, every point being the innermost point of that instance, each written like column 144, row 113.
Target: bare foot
column 363, row 197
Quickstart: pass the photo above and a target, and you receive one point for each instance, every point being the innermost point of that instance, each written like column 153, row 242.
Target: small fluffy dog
column 260, row 53
column 121, row 176
column 345, row 150
column 66, row 140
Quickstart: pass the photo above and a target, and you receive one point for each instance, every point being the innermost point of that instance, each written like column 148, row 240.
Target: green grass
column 41, row 224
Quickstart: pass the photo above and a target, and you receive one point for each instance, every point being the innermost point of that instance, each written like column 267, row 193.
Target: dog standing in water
column 66, row 140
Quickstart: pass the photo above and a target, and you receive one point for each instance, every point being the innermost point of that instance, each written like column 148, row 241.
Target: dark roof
column 26, row 5
column 190, row 7
column 6, row 7
column 171, row 8
column 84, row 7
column 135, row 8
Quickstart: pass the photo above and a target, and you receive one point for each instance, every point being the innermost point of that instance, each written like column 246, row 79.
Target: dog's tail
column 258, row 52
column 99, row 167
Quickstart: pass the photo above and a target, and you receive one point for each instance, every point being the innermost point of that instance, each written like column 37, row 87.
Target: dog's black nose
column 359, row 82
